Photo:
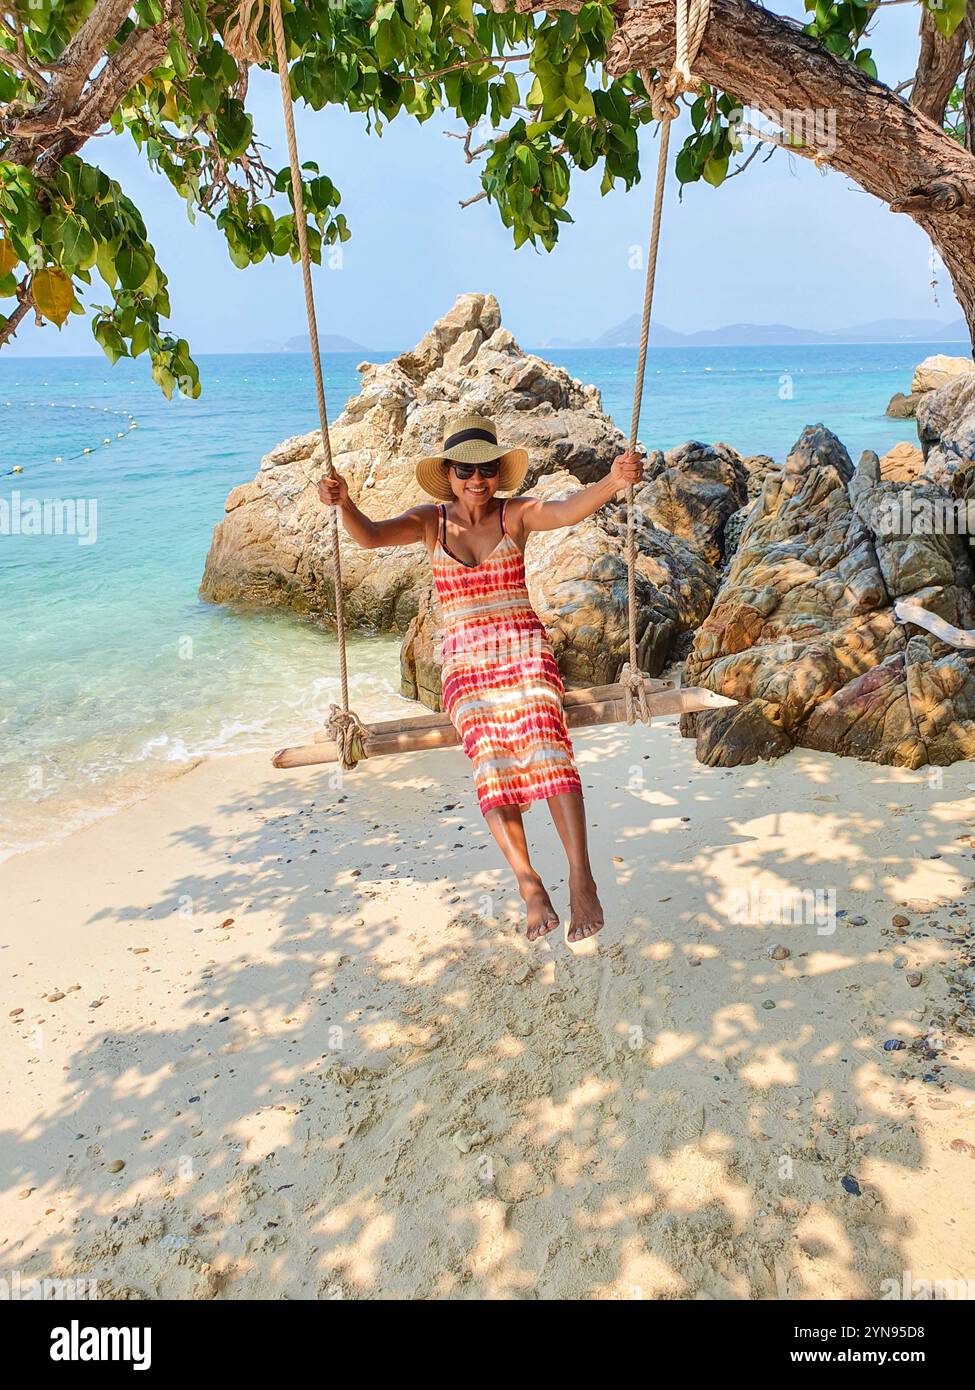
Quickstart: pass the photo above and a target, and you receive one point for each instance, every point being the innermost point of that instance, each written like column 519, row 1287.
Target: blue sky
column 781, row 243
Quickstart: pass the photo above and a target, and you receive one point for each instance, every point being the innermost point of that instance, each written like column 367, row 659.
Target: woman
column 501, row 684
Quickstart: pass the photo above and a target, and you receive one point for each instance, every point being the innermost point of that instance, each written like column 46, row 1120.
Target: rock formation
column 272, row 546
column 802, row 632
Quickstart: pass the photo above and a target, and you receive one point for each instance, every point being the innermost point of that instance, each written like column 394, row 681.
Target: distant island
column 627, row 334
column 328, row 342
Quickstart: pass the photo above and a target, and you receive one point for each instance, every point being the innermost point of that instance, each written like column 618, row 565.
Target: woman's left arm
column 536, row 515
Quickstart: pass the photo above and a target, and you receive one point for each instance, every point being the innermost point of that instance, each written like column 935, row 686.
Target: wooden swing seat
column 598, row 704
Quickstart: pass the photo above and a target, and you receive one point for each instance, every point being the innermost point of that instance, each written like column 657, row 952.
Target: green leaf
column 947, row 14
column 234, row 128
column 140, row 338
column 132, row 267
column 77, row 244
column 685, row 166
column 715, row 170
column 177, row 56
column 583, row 104
column 105, row 260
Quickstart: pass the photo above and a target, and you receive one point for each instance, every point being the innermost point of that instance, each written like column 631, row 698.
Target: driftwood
column 604, row 704
column 907, row 612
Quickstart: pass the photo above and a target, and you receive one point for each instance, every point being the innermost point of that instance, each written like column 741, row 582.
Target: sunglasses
column 467, row 470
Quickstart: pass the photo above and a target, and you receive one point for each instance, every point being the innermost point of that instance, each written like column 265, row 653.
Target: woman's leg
column 585, row 910
column 509, row 831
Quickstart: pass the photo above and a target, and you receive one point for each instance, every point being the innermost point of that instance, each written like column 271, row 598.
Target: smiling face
column 475, row 491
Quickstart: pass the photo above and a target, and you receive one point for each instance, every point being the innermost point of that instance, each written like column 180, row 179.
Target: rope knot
column 349, row 734
column 690, row 23
column 636, row 691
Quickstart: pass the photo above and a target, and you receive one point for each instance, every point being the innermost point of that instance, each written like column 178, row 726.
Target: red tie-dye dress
column 501, row 683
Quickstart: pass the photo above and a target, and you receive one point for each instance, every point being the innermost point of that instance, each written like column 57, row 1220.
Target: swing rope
column 344, row 725
column 691, row 22
column 241, row 37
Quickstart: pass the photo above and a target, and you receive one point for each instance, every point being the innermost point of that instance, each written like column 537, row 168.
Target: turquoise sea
column 115, row 673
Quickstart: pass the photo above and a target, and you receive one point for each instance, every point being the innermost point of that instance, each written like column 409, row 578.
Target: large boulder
column 937, row 370
column 930, row 375
column 691, row 491
column 577, row 584
column 272, row 546
column 901, row 464
column 803, row 634
column 901, row 407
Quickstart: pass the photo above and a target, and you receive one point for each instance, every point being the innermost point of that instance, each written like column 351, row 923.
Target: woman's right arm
column 405, row 529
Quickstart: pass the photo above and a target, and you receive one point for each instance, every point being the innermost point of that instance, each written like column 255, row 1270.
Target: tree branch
column 939, row 64
column 49, row 131
column 23, row 308
column 891, row 149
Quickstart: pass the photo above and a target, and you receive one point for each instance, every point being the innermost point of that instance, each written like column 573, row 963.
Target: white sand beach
column 306, row 1020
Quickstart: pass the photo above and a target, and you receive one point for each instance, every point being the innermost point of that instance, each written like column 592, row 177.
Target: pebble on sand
column 116, row 1165
column 852, row 1186
column 778, row 952
column 913, row 978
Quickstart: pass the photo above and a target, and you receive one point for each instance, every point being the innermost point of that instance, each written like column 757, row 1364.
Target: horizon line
column 592, row 347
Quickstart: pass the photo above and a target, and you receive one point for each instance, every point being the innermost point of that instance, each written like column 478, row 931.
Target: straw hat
column 471, row 439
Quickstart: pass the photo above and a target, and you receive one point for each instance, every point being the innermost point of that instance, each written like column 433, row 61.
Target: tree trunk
column 886, row 146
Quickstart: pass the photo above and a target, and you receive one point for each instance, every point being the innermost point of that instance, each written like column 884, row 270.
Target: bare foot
column 542, row 916
column 585, row 909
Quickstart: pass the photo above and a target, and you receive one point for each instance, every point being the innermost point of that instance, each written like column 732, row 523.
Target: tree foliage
column 161, row 73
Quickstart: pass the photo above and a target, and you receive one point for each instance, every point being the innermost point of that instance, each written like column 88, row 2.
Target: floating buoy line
column 54, row 405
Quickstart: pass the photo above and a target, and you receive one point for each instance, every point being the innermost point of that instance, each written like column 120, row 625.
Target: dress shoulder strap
column 442, row 509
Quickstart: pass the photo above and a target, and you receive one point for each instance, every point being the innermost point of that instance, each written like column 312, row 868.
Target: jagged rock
column 901, row 407
column 757, row 468
column 691, row 491
column 802, row 632
column 937, row 370
column 914, row 552
column 273, row 545
column 901, row 464
column 577, row 584
column 915, row 708
column 734, row 527
column 946, row 430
